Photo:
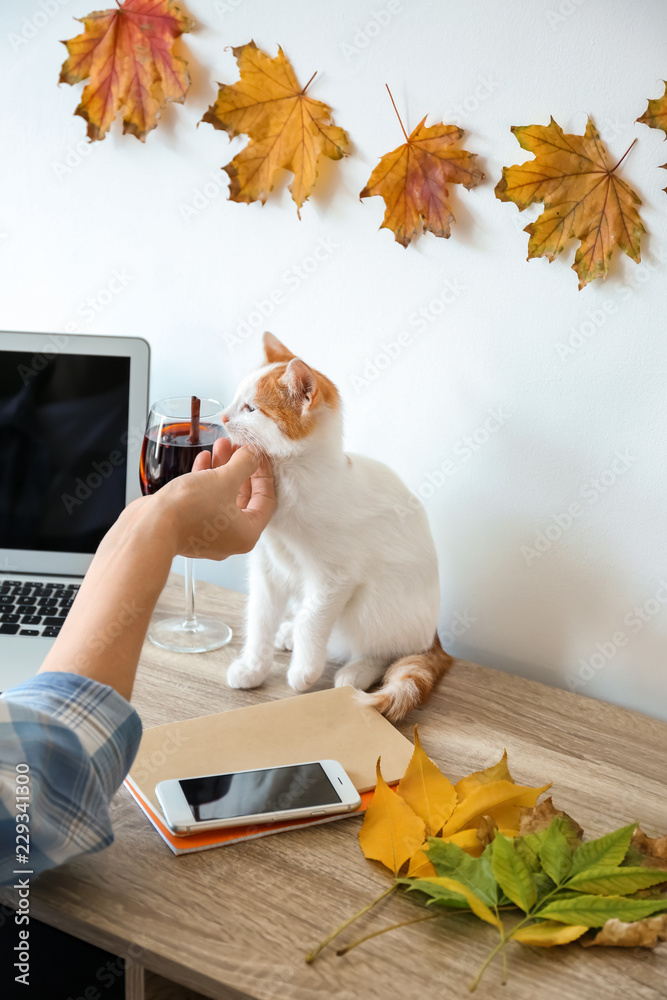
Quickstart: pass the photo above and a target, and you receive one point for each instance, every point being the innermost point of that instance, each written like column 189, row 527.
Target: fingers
column 222, row 452
column 240, row 466
column 244, row 494
column 262, row 501
column 202, row 461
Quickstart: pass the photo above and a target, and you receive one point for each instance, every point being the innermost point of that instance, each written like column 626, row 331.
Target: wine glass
column 177, row 430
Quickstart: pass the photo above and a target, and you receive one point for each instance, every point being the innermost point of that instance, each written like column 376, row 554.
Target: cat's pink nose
column 225, row 418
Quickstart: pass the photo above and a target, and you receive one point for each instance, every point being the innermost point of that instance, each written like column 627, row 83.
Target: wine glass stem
column 190, row 618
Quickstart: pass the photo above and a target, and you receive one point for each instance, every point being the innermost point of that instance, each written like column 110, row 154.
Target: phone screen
column 248, row 793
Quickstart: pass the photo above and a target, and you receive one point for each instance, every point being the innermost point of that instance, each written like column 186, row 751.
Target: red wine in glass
column 175, row 434
column 167, row 452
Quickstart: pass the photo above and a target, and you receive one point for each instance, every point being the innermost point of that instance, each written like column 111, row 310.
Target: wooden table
column 236, row 922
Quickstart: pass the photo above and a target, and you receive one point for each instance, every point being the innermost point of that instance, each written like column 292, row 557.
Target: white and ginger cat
column 337, row 574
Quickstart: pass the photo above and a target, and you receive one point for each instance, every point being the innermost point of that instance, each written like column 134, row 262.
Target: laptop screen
column 63, row 449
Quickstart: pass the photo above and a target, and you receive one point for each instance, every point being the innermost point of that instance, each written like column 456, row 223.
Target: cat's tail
column 408, row 682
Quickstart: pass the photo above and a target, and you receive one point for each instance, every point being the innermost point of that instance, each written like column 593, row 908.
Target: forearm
column 106, row 626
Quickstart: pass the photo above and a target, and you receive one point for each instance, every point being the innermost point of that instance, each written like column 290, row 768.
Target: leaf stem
column 312, row 955
column 485, row 964
column 383, row 930
column 624, row 156
column 397, row 114
column 310, row 81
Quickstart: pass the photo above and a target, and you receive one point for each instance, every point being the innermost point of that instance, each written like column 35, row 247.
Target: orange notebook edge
column 229, row 835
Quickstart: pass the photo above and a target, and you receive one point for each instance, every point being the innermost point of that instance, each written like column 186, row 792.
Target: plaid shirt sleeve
column 78, row 738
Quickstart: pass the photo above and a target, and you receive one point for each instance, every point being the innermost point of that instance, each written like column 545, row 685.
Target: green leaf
column 512, row 873
column 595, row 911
column 607, row 850
column 476, row 874
column 528, row 848
column 530, row 845
column 607, row 881
column 555, row 854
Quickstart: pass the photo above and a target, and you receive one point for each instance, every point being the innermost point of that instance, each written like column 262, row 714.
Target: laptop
column 72, row 418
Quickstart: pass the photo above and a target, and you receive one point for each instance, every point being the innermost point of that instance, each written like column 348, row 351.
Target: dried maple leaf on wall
column 287, row 129
column 655, row 116
column 412, row 179
column 126, row 53
column 583, row 198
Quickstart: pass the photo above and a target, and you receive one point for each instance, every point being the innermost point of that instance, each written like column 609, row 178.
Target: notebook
column 324, row 725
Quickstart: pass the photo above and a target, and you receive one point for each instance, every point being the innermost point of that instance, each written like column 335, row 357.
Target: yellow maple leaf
column 287, row 129
column 412, row 179
column 427, row 791
column 391, row 832
column 548, row 933
column 420, row 865
column 487, row 798
column 583, row 198
column 126, row 52
column 655, row 116
column 471, row 782
column 507, row 814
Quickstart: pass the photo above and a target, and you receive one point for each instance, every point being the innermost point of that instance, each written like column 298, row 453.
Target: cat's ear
column 274, row 350
column 301, row 382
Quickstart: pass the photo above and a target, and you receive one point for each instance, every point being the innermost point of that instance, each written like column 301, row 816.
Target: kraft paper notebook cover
column 324, row 725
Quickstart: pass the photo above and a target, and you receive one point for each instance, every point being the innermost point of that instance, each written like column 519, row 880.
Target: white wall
column 72, row 214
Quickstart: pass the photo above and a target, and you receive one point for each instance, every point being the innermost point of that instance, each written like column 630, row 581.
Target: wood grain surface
column 236, row 922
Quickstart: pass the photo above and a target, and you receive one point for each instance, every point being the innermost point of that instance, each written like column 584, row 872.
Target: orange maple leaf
column 127, row 55
column 583, row 198
column 655, row 116
column 413, row 179
column 287, row 129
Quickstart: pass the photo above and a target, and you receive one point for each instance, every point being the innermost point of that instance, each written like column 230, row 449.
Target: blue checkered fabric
column 78, row 738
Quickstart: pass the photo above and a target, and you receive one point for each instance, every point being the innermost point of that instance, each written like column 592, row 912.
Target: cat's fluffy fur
column 346, row 569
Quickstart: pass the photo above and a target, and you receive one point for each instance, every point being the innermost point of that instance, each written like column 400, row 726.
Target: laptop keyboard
column 29, row 608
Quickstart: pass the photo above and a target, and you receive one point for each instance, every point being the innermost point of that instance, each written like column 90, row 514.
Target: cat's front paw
column 242, row 674
column 302, row 676
column 285, row 636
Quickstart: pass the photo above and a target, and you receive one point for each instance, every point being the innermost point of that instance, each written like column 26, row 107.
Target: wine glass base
column 180, row 636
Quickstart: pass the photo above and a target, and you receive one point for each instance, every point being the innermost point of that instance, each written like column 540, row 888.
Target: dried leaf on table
column 391, row 832
column 487, row 800
column 486, row 830
column 540, row 817
column 654, row 849
column 427, row 791
column 644, row 933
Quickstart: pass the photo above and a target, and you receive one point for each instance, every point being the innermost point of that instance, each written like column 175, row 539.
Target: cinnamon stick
column 195, row 407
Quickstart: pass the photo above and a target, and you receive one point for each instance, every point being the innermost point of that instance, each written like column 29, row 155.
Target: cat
column 346, row 569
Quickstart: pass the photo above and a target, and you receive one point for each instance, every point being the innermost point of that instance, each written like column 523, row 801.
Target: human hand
column 222, row 506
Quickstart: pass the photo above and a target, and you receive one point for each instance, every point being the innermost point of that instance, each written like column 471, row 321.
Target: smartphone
column 268, row 795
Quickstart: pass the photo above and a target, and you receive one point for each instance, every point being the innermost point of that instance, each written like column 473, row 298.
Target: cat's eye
column 249, row 408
